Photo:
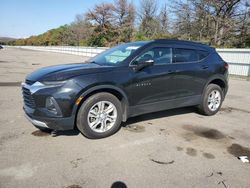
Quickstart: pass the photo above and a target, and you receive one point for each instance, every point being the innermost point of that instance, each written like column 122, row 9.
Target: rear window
column 188, row 55
column 202, row 54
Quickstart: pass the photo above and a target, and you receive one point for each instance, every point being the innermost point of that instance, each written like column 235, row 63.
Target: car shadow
column 144, row 117
column 68, row 133
column 160, row 114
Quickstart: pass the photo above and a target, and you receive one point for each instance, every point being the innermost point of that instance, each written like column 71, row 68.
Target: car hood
column 66, row 71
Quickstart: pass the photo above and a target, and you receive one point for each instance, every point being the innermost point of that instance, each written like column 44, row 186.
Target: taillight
column 226, row 65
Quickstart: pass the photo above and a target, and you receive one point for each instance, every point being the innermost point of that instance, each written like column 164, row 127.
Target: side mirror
column 142, row 64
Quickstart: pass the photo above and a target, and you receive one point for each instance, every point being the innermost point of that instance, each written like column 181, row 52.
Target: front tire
column 212, row 100
column 99, row 116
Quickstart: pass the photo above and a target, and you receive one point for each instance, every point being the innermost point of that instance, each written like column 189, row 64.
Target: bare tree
column 149, row 24
column 217, row 22
column 102, row 14
column 222, row 13
column 163, row 17
column 102, row 18
column 211, row 20
column 81, row 29
column 125, row 17
column 243, row 25
column 184, row 19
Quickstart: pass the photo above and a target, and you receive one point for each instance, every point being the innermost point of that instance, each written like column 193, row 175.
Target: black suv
column 125, row 81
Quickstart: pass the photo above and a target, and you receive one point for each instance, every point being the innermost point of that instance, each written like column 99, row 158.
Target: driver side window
column 160, row 55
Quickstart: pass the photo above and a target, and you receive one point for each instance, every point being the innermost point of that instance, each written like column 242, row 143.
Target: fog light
column 52, row 106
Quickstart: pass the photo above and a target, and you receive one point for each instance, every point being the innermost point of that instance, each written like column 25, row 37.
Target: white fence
column 74, row 50
column 238, row 59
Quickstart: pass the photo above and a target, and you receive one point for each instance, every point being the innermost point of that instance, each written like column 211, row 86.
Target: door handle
column 204, row 67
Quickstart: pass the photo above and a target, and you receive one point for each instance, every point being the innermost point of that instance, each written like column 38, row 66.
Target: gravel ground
column 174, row 148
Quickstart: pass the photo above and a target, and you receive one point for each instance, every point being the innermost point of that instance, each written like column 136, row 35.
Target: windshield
column 115, row 56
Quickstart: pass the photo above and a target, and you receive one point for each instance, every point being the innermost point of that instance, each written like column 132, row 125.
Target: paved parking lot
column 175, row 148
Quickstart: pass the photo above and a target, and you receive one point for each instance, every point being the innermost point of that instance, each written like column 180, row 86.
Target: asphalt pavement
column 173, row 148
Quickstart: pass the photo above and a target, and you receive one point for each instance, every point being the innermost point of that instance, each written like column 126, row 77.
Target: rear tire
column 212, row 100
column 99, row 116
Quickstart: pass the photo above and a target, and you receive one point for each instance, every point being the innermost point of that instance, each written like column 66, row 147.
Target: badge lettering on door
column 143, row 84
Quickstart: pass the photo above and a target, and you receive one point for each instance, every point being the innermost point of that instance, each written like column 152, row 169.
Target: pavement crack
column 75, row 162
column 161, row 162
column 223, row 183
column 231, row 109
column 210, row 175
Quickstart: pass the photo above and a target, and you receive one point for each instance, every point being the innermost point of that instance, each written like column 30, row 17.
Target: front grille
column 29, row 82
column 27, row 98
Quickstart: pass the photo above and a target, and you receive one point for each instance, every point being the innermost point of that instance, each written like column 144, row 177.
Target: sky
column 23, row 18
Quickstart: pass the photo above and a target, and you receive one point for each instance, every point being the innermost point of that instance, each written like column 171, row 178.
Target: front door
column 154, row 83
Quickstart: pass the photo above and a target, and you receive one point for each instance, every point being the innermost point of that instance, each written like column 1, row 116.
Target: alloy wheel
column 214, row 100
column 102, row 116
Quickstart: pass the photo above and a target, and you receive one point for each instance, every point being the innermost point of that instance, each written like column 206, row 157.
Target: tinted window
column 160, row 55
column 188, row 55
column 185, row 55
column 202, row 54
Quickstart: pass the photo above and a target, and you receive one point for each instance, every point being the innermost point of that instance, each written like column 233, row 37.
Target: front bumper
column 36, row 122
column 40, row 116
column 51, row 123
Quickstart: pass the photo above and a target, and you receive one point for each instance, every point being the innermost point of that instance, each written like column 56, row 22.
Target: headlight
column 42, row 85
column 54, row 83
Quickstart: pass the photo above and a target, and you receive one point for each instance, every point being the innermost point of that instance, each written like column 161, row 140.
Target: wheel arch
column 114, row 90
column 218, row 80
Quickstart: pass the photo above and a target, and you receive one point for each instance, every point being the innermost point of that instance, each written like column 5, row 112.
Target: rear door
column 190, row 71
